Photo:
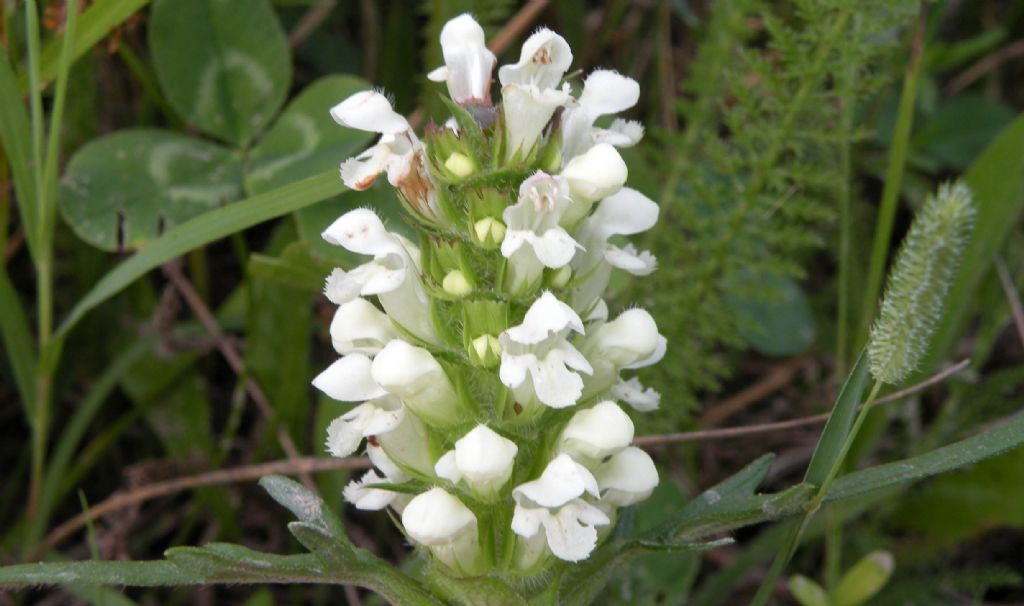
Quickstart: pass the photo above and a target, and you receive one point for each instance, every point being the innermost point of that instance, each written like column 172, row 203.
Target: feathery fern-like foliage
column 920, row 277
column 762, row 163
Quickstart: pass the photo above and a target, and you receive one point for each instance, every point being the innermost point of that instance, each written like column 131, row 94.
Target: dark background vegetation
column 769, row 128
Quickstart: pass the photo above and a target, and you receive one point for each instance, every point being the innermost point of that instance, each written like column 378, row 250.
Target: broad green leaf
column 124, row 190
column 782, row 325
column 965, row 452
column 864, row 579
column 19, row 347
column 202, row 230
column 95, row 22
column 305, row 140
column 225, row 67
column 961, row 129
column 16, row 140
column 807, row 592
column 830, row 444
column 997, row 181
column 295, row 268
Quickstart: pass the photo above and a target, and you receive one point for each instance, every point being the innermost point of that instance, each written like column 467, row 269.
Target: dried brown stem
column 313, row 19
column 227, row 349
column 736, row 432
column 984, row 66
column 122, row 499
column 776, row 379
column 1012, row 296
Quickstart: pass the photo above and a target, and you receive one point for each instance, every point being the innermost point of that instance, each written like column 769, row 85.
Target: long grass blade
column 16, row 138
column 18, row 343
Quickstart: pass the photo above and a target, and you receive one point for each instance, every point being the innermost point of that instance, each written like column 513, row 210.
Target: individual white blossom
column 359, row 327
column 553, row 503
column 530, row 93
column 392, row 275
column 440, row 522
column 467, row 61
column 398, row 152
column 362, row 492
column 349, row 380
column 595, row 174
column 533, row 237
column 597, row 432
column 412, row 374
column 385, row 421
column 629, row 341
column 627, row 477
column 624, row 213
column 481, row 458
column 604, row 92
column 537, row 360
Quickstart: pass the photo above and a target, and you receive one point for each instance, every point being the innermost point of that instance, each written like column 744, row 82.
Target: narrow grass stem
column 893, row 179
column 782, row 559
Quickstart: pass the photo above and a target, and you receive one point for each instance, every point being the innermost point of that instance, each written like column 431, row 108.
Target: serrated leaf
column 224, row 67
column 305, row 140
column 124, row 190
column 306, row 506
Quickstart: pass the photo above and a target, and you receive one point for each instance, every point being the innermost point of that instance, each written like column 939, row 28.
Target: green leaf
column 997, row 181
column 961, row 129
column 864, row 579
column 223, row 67
column 123, row 190
column 308, row 507
column 305, row 140
column 18, row 344
column 830, row 444
column 780, row 321
column 807, row 592
column 16, row 140
column 202, row 230
column 965, row 452
column 295, row 268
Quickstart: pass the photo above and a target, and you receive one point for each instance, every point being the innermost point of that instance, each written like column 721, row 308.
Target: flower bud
column 455, row 283
column 482, row 458
column 413, row 375
column 460, row 165
column 489, row 232
column 440, row 522
column 626, row 478
column 485, row 351
column 593, row 175
column 627, row 340
column 359, row 327
column 595, row 433
column 560, row 277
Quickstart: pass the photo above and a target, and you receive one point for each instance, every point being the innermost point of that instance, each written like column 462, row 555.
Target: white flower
column 398, row 151
column 482, row 458
column 527, row 110
column 629, row 341
column 553, row 502
column 468, row 62
column 440, row 522
column 363, row 495
column 604, row 92
column 628, row 477
column 632, row 392
column 536, row 357
column 533, row 239
column 385, row 421
column 412, row 374
column 543, row 61
column 597, row 432
column 349, row 380
column 359, row 327
column 624, row 213
column 392, row 275
column 529, row 94
column 593, row 175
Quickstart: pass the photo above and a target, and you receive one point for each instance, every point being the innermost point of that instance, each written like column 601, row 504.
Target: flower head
column 467, row 61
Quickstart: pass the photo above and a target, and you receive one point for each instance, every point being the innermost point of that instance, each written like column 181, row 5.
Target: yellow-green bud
column 485, row 351
column 460, row 165
column 560, row 277
column 456, row 283
column 489, row 232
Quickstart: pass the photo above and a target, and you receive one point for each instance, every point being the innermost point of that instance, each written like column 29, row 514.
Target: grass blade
column 202, row 230
column 838, row 426
column 16, row 138
column 18, row 342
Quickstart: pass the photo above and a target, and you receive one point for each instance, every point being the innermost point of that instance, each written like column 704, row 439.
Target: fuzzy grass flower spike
column 479, row 354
